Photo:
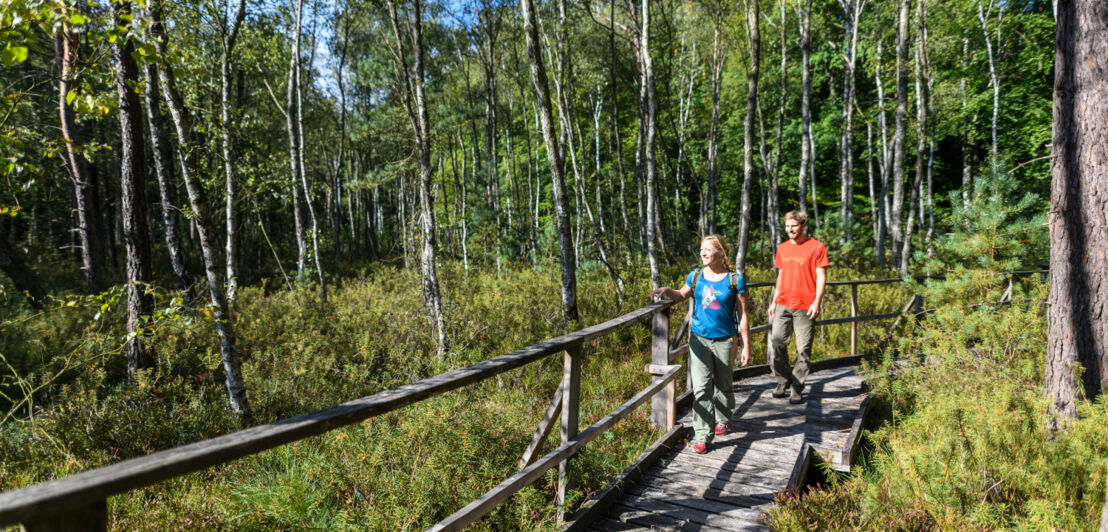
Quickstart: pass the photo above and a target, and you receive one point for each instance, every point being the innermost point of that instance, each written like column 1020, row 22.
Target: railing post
column 663, row 409
column 917, row 309
column 93, row 517
column 853, row 324
column 571, row 386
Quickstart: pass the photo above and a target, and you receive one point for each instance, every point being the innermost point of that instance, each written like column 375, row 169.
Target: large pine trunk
column 561, row 207
column 84, row 185
column 1077, row 315
column 136, row 232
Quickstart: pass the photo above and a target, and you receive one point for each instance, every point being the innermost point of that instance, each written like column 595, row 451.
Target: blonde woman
column 719, row 315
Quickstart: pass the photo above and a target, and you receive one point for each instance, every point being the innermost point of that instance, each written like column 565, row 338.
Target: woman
column 711, row 337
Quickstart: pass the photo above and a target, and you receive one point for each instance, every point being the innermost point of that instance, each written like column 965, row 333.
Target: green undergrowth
column 963, row 444
column 68, row 406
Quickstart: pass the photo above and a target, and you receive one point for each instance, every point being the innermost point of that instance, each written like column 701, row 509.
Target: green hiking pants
column 713, row 392
column 786, row 322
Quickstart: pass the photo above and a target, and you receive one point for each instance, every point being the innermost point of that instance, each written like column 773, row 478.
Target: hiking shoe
column 721, row 429
column 795, row 398
column 700, row 447
column 780, row 391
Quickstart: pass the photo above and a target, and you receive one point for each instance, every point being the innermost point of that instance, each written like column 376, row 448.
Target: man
column 801, row 264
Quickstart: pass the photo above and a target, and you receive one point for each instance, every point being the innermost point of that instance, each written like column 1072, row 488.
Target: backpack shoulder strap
column 696, row 273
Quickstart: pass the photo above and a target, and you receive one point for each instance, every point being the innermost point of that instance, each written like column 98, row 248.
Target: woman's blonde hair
column 720, row 244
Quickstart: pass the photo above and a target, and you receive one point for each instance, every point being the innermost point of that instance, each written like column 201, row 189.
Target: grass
column 404, row 470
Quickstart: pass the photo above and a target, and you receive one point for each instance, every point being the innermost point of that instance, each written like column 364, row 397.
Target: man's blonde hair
column 799, row 216
column 720, row 243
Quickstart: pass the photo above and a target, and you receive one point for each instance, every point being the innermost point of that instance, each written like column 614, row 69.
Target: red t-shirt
column 798, row 263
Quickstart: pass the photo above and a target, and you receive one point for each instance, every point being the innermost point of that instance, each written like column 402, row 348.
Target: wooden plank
column 747, row 475
column 571, row 412
column 543, row 430
column 595, row 505
column 716, row 489
column 87, row 487
column 698, row 502
column 702, row 481
column 767, row 473
column 800, row 469
column 658, row 521
column 854, row 437
column 474, row 510
column 691, row 515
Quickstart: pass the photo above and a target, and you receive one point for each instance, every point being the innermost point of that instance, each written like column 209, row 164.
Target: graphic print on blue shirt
column 715, row 303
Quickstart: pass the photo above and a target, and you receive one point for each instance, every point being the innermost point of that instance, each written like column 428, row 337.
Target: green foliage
column 965, row 445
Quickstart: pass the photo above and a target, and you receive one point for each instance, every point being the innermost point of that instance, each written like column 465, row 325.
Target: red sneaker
column 721, row 429
column 700, row 447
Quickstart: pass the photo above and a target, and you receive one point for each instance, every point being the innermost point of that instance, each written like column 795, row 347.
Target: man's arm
column 821, row 283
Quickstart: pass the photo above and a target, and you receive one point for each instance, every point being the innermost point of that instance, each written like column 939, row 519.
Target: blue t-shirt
column 714, row 305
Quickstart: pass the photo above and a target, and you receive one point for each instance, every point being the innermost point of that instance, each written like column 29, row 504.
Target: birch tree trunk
column 294, row 143
column 922, row 103
column 416, row 105
column 885, row 167
column 163, row 172
column 232, row 364
column 312, row 218
column 713, row 127
column 994, row 81
column 805, row 106
column 649, row 106
column 851, row 14
column 546, row 121
column 755, row 39
column 231, row 249
column 899, row 152
column 1077, row 314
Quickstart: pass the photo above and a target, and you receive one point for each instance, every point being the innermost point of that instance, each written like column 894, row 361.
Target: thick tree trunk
column 65, row 45
column 755, row 39
column 1077, row 315
column 232, row 364
column 230, row 251
column 163, row 170
column 805, row 105
column 546, row 121
column 899, row 137
column 136, row 232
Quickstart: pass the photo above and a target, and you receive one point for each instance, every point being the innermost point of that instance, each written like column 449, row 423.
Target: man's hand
column 770, row 309
column 813, row 310
column 744, row 359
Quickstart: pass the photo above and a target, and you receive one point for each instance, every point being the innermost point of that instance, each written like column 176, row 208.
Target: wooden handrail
column 91, row 488
column 474, row 510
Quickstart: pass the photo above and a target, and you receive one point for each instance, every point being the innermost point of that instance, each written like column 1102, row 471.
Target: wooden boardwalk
column 732, row 486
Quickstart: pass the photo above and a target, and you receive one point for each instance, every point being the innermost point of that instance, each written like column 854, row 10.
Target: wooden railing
column 79, row 502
